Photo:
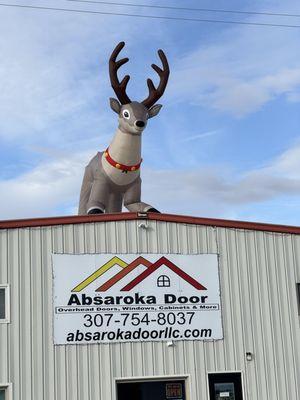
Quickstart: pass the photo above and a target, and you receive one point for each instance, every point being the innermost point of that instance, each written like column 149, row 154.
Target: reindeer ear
column 154, row 110
column 115, row 105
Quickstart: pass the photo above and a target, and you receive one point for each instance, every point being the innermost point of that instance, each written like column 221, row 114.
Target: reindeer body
column 113, row 177
column 98, row 191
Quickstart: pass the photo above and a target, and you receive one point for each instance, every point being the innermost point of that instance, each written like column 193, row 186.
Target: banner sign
column 104, row 298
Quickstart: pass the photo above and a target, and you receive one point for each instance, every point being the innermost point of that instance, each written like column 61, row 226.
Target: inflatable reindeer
column 112, row 178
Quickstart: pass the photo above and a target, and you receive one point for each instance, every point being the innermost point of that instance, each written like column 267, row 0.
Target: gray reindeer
column 112, row 177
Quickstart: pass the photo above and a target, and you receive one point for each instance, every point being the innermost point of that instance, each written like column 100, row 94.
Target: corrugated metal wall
column 258, row 272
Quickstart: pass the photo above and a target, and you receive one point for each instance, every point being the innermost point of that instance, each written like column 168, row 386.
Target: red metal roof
column 80, row 219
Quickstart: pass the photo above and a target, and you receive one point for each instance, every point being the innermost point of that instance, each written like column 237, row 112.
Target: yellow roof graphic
column 114, row 261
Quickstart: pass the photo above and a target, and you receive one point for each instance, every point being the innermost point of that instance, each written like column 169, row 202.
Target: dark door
column 152, row 390
column 225, row 386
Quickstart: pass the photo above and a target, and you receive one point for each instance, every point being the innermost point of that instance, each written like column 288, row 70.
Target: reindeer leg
column 85, row 192
column 98, row 199
column 132, row 199
column 114, row 203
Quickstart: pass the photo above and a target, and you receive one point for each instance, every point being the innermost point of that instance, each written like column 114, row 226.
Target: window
column 163, row 281
column 4, row 306
column 298, row 296
column 5, row 392
column 152, row 389
column 225, row 386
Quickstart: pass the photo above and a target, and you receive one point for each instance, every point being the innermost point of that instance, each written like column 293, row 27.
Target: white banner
column 136, row 297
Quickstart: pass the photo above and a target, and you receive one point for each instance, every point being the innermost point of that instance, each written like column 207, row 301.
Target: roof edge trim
column 126, row 216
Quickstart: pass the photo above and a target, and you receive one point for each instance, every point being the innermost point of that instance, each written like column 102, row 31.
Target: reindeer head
column 133, row 115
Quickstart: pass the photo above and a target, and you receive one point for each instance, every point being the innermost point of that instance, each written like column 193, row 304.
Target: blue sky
column 226, row 143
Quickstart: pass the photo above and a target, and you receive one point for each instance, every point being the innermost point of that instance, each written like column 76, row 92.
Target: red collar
column 120, row 166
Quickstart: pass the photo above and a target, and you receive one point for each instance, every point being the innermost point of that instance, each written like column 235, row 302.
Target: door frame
column 242, row 373
column 148, row 378
column 8, row 388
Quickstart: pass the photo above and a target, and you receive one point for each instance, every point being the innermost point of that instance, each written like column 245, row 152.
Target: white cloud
column 54, row 72
column 53, row 188
column 287, row 165
column 199, row 136
column 241, row 71
column 243, row 97
column 218, row 193
column 46, row 190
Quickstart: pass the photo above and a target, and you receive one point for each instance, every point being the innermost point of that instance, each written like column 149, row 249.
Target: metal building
column 256, row 357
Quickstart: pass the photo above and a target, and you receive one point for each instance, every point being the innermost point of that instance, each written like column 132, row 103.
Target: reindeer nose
column 140, row 124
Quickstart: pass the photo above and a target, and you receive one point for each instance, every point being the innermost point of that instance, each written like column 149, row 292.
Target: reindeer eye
column 126, row 114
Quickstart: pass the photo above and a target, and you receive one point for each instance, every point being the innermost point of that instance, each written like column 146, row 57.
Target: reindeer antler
column 156, row 93
column 119, row 88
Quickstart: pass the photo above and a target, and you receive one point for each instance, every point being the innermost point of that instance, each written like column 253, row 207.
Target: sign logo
column 162, row 281
column 106, row 298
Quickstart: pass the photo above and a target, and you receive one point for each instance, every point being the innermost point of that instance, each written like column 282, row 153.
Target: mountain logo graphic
column 126, row 268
